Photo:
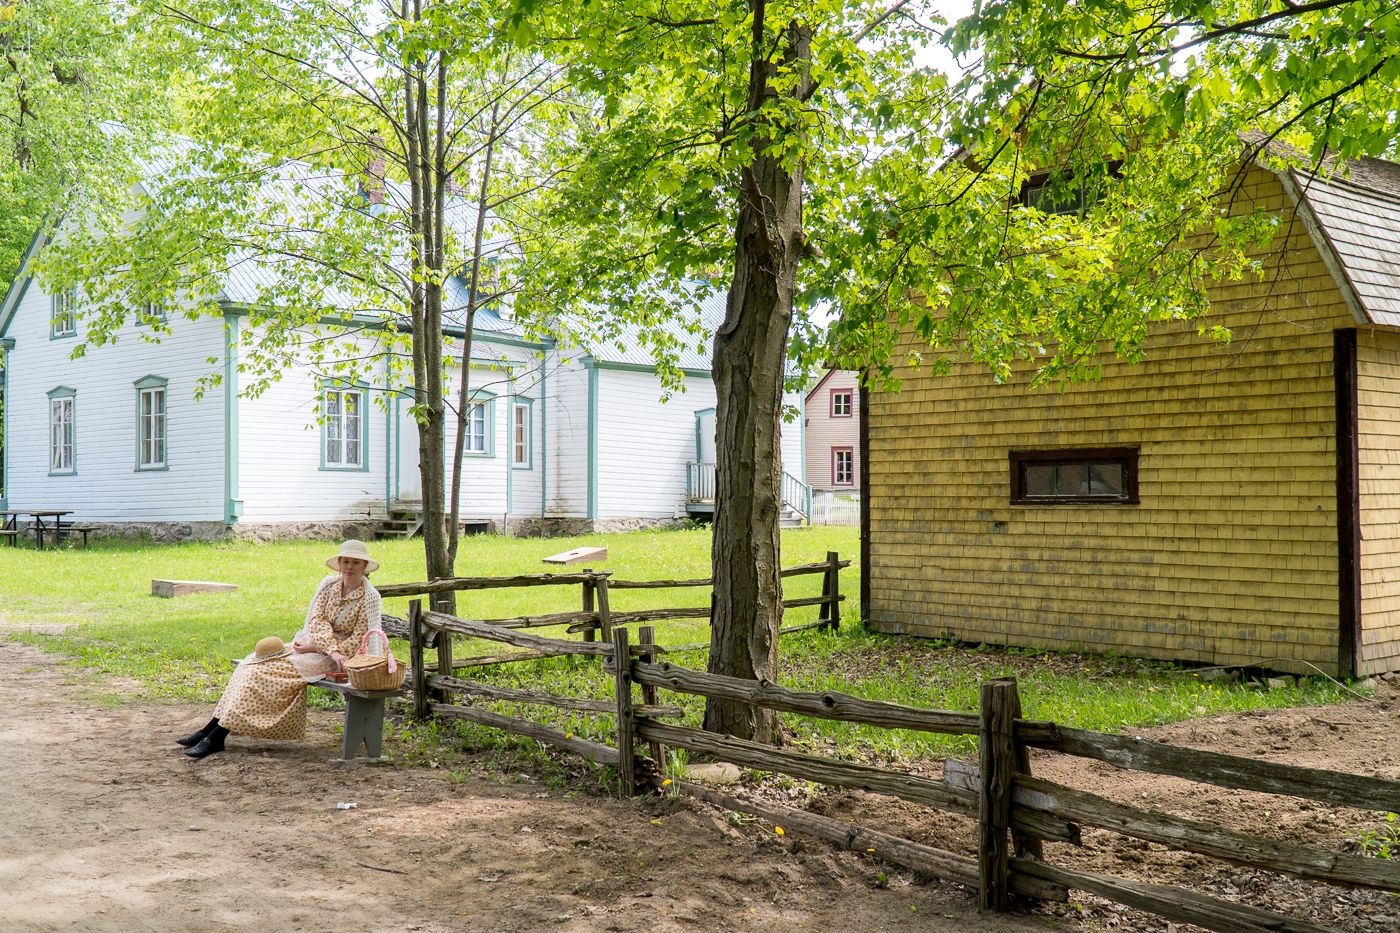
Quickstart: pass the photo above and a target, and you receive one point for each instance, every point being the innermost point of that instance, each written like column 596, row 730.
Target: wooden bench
column 70, row 528
column 12, row 534
column 364, row 718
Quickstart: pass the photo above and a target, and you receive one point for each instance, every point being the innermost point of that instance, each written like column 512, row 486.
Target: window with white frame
column 150, row 424
column 520, row 435
column 152, row 312
column 476, row 440
column 61, row 431
column 63, row 317
column 345, row 447
column 841, row 403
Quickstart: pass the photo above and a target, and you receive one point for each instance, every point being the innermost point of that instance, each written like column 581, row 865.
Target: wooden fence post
column 444, row 663
column 604, row 611
column 622, row 672
column 831, row 586
column 1025, row 846
column 996, row 761
column 588, row 634
column 651, row 696
column 415, row 659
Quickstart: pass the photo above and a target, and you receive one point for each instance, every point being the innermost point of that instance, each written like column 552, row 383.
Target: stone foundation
column 160, row 532
column 573, row 527
column 267, row 532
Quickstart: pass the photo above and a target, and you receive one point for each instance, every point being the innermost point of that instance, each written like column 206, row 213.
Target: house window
column 1067, row 477
column 475, row 441
column 153, row 312
column 61, row 432
column 840, row 403
column 344, row 429
column 63, row 317
column 150, row 424
column 520, row 435
column 843, row 466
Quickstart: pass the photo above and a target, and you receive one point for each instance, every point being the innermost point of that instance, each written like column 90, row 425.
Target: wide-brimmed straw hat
column 357, row 550
column 269, row 648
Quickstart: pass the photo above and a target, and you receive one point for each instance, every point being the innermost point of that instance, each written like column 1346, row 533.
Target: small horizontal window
column 1067, row 477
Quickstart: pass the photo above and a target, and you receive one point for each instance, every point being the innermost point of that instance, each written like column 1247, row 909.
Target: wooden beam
column 1206, row 839
column 1344, row 379
column 826, row 705
column 926, row 860
column 812, row 768
column 1334, row 787
column 1174, row 904
column 453, row 584
column 511, row 695
column 594, row 752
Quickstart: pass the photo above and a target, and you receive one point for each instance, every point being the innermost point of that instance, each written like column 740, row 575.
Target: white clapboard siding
column 281, row 477
column 825, row 432
column 107, row 486
column 567, row 467
column 790, row 438
column 644, row 443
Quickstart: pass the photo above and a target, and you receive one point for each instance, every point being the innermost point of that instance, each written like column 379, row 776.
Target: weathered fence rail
column 1015, row 811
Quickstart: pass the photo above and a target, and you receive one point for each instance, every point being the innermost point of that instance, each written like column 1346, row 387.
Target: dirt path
column 106, row 826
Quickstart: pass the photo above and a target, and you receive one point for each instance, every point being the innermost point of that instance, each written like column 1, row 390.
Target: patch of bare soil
column 106, row 826
column 1361, row 737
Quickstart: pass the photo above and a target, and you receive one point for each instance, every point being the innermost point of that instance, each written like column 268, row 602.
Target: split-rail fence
column 1015, row 812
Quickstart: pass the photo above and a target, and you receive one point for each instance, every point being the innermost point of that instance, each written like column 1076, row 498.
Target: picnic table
column 45, row 521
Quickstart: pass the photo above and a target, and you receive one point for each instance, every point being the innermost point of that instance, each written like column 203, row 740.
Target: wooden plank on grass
column 1175, row 904
column 172, row 588
column 1334, row 787
column 577, row 556
column 924, row 859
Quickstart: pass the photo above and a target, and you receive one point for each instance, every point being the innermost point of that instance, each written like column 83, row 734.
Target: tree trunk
column 749, row 356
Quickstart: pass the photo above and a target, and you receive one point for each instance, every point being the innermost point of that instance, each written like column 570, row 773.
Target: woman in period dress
column 266, row 696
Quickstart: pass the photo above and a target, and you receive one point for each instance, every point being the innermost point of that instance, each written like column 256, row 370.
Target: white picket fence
column 835, row 508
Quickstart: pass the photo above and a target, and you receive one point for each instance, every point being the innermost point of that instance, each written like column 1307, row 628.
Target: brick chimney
column 372, row 180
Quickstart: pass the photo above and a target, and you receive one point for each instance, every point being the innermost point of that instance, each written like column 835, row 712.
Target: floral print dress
column 266, row 698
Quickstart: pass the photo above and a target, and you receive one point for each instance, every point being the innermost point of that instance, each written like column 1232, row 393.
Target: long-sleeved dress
column 266, row 699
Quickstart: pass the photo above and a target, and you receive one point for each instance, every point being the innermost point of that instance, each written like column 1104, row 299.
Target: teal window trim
column 71, row 395
column 528, row 404
column 144, row 385
column 592, row 367
column 152, row 312
column 63, row 310
column 233, row 505
column 7, row 347
column 486, row 400
column 344, row 387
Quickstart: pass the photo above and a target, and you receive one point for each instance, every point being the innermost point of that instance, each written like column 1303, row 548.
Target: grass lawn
column 180, row 648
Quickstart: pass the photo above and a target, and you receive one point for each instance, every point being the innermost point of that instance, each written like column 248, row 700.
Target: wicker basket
column 370, row 671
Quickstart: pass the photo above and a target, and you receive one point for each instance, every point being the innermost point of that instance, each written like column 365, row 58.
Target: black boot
column 195, row 737
column 211, row 743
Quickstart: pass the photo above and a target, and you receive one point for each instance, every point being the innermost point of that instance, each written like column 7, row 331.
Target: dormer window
column 1060, row 194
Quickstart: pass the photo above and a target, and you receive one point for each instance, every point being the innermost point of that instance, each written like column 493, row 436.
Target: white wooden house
column 560, row 443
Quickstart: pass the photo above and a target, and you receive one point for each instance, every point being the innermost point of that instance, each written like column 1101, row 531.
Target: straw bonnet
column 357, row 550
column 269, row 648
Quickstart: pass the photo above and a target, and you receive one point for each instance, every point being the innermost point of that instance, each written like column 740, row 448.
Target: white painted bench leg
column 364, row 722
